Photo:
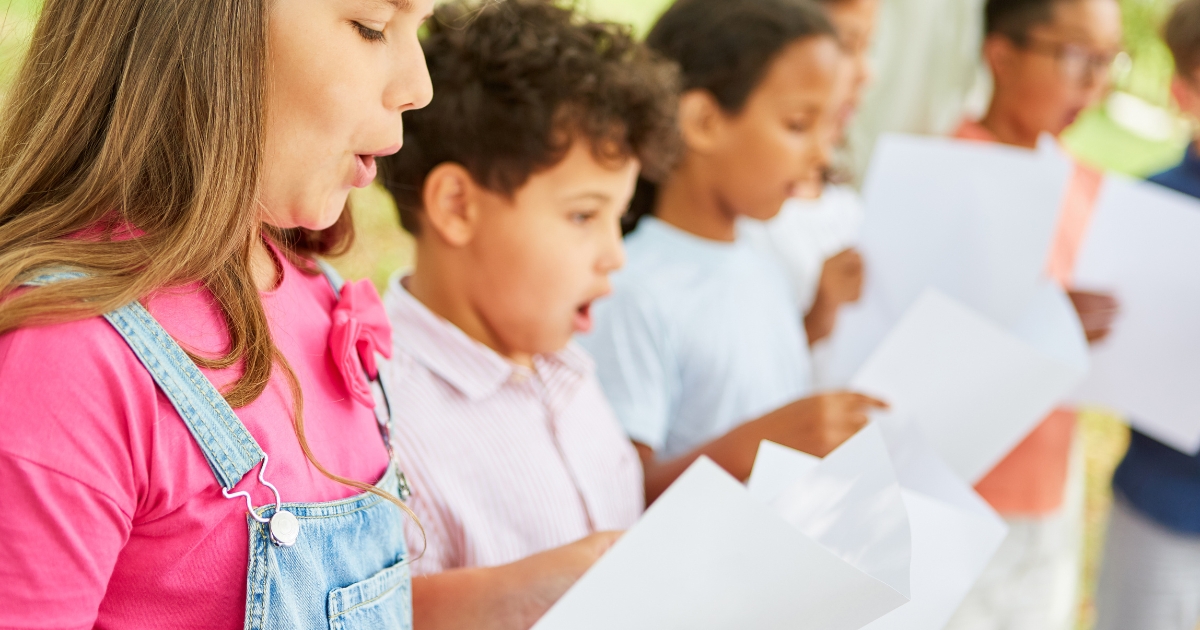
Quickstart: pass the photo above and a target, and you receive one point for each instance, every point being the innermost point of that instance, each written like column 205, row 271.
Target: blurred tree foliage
column 1149, row 74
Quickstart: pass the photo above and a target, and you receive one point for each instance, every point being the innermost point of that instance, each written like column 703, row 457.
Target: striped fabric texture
column 504, row 461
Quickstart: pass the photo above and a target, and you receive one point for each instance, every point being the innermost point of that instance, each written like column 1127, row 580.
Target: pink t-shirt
column 109, row 515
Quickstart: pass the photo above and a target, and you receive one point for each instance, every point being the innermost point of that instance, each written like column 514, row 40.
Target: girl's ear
column 998, row 52
column 701, row 120
column 451, row 209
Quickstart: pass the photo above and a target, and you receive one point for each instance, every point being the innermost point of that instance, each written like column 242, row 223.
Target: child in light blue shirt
column 701, row 349
column 676, row 370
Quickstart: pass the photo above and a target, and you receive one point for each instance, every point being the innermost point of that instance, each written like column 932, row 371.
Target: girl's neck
column 1006, row 128
column 687, row 201
column 264, row 269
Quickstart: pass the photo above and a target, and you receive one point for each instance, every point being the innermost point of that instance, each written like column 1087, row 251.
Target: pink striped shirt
column 504, row 461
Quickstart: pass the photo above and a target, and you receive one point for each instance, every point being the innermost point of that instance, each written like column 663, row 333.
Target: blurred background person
column 1049, row 60
column 1151, row 574
column 814, row 234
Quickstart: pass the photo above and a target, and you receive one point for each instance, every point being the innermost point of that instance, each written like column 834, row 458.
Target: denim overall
column 338, row 565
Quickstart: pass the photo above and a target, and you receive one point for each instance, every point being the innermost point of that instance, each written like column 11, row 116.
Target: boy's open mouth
column 583, row 319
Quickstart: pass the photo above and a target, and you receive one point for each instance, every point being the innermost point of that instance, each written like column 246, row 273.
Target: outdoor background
column 921, row 89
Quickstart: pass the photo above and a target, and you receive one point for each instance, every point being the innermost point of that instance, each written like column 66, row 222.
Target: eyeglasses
column 1077, row 63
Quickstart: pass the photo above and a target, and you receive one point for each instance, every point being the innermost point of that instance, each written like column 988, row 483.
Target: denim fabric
column 347, row 570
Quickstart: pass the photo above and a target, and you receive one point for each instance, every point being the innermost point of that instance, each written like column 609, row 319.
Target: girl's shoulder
column 86, row 354
column 76, row 401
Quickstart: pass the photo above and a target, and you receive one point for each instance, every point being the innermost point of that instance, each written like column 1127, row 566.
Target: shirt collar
column 467, row 365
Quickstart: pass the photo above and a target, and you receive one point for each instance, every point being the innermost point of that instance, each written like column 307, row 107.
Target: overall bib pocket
column 380, row 601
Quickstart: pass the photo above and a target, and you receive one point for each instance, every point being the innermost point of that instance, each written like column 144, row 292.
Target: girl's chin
column 317, row 219
column 338, row 204
column 310, row 218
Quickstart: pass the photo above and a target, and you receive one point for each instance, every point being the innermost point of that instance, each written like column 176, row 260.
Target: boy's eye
column 368, row 34
column 583, row 216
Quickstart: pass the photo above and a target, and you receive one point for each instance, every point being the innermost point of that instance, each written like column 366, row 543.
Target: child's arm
column 815, row 425
column 509, row 597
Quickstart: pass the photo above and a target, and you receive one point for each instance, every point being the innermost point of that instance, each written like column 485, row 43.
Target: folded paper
column 707, row 555
column 954, row 533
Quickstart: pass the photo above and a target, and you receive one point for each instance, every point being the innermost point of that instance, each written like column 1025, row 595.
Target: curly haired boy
column 513, row 182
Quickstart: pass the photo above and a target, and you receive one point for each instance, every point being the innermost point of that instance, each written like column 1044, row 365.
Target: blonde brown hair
column 131, row 149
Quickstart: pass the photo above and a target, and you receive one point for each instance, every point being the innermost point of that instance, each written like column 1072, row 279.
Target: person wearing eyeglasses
column 1050, row 60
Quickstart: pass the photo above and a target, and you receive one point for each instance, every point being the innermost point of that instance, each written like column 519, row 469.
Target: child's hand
column 1097, row 311
column 841, row 282
column 508, row 597
column 815, row 425
column 842, row 277
column 547, row 576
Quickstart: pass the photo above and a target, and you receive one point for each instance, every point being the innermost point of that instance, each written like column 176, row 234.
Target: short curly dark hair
column 515, row 83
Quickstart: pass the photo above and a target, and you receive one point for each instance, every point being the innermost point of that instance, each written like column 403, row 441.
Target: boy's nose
column 612, row 257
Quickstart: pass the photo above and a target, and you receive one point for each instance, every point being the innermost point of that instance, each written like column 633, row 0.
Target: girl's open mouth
column 364, row 170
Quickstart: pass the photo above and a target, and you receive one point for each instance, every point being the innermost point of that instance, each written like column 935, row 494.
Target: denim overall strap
column 332, row 275
column 383, row 403
column 228, row 447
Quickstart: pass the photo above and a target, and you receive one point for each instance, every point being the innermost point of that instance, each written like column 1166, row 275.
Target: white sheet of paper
column 707, row 555
column 776, row 468
column 972, row 219
column 851, row 503
column 975, row 389
column 1143, row 244
column 954, row 532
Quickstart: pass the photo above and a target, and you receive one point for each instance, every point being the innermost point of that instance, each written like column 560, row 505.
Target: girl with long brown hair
column 169, row 171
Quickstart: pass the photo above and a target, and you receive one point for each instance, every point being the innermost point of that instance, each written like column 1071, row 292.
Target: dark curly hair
column 515, row 83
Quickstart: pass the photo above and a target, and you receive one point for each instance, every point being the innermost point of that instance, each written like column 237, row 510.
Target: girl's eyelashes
column 369, row 34
column 799, row 126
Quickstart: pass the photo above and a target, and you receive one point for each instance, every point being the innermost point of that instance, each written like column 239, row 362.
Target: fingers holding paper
column 1097, row 312
column 507, row 597
column 841, row 283
column 818, row 424
column 814, row 425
